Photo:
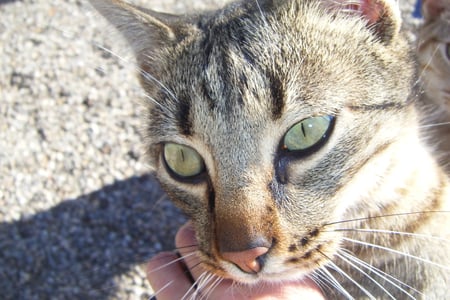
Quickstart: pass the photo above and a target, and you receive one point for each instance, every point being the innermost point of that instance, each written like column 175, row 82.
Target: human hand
column 173, row 277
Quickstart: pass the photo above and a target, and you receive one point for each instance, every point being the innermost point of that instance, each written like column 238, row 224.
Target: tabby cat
column 288, row 132
column 434, row 61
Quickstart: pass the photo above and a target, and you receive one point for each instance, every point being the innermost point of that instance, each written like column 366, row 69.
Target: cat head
column 437, row 21
column 266, row 120
column 434, row 53
column 433, row 9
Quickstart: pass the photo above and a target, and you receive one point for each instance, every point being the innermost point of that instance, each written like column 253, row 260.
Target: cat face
column 266, row 124
column 241, row 91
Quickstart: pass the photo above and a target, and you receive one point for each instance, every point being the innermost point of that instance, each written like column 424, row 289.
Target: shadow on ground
column 6, row 1
column 76, row 249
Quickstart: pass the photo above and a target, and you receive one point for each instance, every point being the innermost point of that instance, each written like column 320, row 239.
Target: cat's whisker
column 155, row 294
column 197, row 265
column 353, row 265
column 367, row 244
column 233, row 287
column 262, row 13
column 152, row 78
column 123, row 59
column 204, row 286
column 154, row 101
column 176, row 250
column 144, row 73
column 109, row 51
column 386, row 216
column 347, row 2
column 349, row 6
column 212, row 286
column 387, row 277
column 207, row 285
column 334, row 282
column 392, row 232
column 202, row 283
column 419, row 80
column 186, row 247
column 322, row 283
column 435, row 125
column 193, row 290
column 343, row 273
column 160, row 199
column 331, row 279
column 172, row 262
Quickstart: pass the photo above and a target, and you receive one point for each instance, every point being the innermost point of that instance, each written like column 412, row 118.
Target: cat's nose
column 249, row 261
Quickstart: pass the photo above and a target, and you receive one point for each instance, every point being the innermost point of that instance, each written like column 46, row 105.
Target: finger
column 167, row 276
column 186, row 242
column 185, row 238
column 305, row 289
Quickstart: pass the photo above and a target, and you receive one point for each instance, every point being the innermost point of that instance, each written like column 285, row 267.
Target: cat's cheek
column 189, row 198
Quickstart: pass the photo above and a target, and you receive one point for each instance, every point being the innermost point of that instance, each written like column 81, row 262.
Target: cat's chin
column 264, row 276
column 269, row 278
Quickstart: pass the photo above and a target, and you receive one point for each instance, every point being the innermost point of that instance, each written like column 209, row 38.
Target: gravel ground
column 79, row 212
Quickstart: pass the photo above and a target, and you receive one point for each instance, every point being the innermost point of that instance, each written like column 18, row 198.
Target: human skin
column 171, row 280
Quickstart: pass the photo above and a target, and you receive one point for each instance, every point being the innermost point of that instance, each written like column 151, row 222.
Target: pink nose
column 249, row 260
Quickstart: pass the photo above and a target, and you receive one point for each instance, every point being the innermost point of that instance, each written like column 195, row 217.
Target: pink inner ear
column 371, row 10
column 382, row 16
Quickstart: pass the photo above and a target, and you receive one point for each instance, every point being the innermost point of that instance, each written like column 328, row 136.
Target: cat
column 434, row 61
column 289, row 133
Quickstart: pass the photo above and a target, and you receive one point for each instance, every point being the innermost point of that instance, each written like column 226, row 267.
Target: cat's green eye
column 183, row 160
column 308, row 133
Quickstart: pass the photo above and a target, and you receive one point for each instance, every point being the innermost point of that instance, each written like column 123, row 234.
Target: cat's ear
column 382, row 16
column 146, row 31
column 432, row 9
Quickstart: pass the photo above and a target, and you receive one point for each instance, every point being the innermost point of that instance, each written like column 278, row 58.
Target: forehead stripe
column 277, row 96
column 183, row 116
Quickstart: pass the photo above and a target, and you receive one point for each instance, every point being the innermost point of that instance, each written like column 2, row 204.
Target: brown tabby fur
column 231, row 83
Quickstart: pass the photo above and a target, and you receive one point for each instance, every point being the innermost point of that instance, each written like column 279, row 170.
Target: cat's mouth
column 273, row 266
column 275, row 270
column 274, row 253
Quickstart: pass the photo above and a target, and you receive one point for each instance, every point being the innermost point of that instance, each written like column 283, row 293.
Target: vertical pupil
column 182, row 155
column 303, row 130
column 307, row 133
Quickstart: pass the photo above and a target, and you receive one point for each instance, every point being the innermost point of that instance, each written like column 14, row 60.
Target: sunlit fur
column 366, row 214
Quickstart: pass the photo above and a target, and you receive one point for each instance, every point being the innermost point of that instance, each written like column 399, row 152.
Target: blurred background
column 79, row 212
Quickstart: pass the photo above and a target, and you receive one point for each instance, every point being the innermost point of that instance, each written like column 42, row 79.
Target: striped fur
column 230, row 84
